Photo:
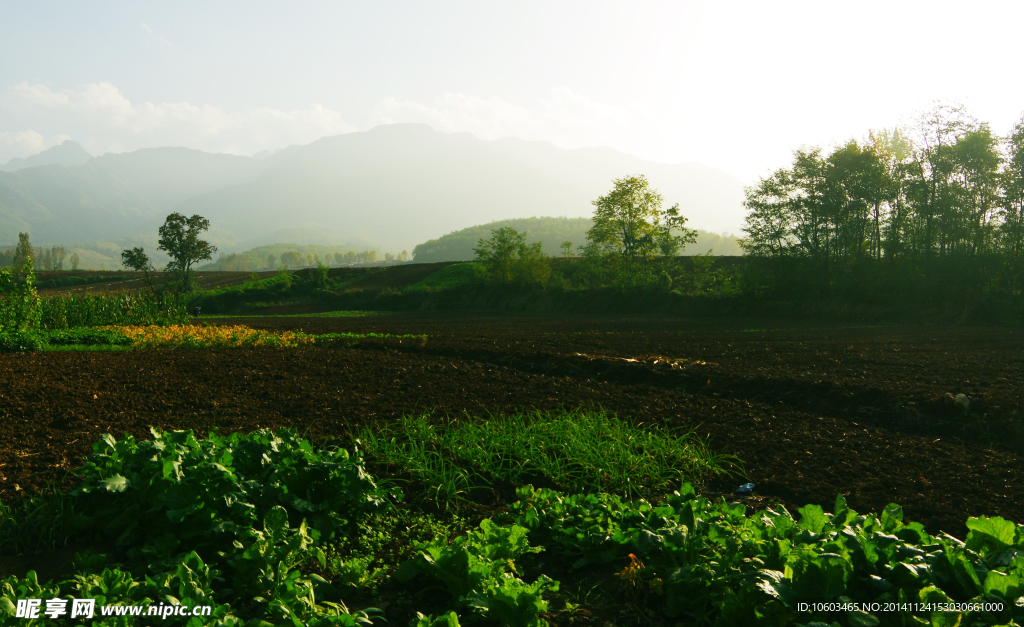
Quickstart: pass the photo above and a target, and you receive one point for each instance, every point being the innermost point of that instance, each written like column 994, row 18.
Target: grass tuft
column 577, row 450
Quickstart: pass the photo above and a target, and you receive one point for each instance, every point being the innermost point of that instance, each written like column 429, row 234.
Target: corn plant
column 122, row 308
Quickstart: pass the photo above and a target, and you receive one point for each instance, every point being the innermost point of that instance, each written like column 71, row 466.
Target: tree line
column 43, row 258
column 949, row 188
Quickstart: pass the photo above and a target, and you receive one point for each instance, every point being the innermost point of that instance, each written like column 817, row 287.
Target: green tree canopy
column 137, row 259
column 499, row 253
column 629, row 220
column 19, row 307
column 951, row 192
column 179, row 238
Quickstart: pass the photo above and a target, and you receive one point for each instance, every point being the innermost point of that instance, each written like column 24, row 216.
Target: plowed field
column 812, row 412
column 132, row 281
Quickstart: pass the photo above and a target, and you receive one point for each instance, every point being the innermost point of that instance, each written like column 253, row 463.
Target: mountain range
column 392, row 187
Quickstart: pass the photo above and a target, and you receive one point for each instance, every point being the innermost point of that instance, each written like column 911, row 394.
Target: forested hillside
column 551, row 233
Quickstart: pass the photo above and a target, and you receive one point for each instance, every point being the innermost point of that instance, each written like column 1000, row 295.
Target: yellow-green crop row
column 189, row 336
column 238, row 336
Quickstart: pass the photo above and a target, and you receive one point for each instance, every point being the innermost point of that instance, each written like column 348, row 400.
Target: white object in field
column 962, row 401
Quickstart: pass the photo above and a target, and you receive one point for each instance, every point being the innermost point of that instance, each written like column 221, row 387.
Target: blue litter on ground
column 746, row 488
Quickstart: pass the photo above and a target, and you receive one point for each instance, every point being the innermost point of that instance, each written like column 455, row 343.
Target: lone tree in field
column 629, row 220
column 179, row 238
column 137, row 259
column 509, row 259
column 499, row 253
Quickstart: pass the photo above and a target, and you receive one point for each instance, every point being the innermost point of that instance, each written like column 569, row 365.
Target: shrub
column 202, row 490
column 20, row 342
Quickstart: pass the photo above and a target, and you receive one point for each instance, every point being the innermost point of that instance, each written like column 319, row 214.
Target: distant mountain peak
column 68, row 153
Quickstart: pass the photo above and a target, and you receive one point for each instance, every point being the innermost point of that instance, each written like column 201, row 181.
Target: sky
column 738, row 85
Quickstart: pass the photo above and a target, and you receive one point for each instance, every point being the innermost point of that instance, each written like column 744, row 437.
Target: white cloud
column 156, row 37
column 102, row 119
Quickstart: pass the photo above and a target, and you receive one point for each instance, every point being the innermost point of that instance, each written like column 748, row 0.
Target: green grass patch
column 447, row 278
column 85, row 349
column 578, row 450
column 62, row 339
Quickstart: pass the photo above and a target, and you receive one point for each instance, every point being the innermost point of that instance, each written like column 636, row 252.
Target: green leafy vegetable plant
column 711, row 560
column 478, row 571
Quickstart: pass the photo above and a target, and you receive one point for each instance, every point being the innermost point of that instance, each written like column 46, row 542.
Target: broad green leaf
column 834, row 571
column 966, row 575
column 891, row 518
column 990, row 534
column 115, row 483
column 276, row 520
column 812, row 518
column 933, row 595
column 842, row 515
column 108, row 440
column 451, row 619
column 1008, row 586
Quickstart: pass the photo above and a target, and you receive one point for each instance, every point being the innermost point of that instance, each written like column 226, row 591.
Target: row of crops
column 28, row 312
column 267, row 529
column 113, row 337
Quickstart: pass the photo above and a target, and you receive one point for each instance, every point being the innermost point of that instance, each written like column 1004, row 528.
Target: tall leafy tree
column 975, row 181
column 940, row 128
column 500, row 253
column 813, row 221
column 770, row 224
column 19, row 307
column 24, row 257
column 1012, row 228
column 892, row 221
column 136, row 259
column 856, row 183
column 179, row 238
column 629, row 220
column 671, row 234
column 57, row 254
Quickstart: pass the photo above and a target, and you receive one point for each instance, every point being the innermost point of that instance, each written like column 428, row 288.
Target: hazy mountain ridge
column 395, row 186
column 67, row 153
column 166, row 177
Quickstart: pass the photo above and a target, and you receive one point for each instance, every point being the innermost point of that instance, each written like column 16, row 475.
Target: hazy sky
column 737, row 84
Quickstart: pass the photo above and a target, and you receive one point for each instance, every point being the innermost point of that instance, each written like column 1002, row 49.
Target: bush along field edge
column 267, row 529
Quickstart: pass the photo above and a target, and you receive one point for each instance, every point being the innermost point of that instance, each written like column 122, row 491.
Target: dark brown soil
column 812, row 412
